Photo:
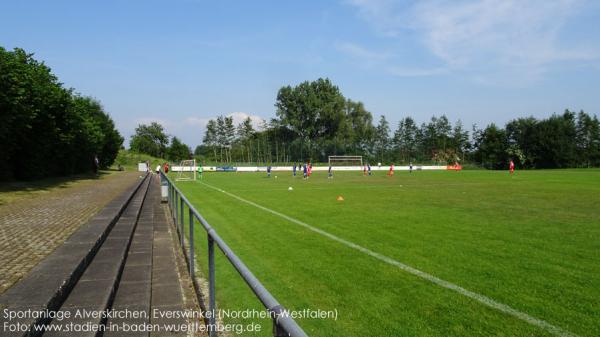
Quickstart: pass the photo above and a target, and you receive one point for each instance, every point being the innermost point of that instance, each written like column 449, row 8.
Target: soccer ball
column 290, row 188
column 275, row 177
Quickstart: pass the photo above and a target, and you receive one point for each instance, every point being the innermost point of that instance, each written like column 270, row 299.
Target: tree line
column 560, row 141
column 47, row 129
column 314, row 120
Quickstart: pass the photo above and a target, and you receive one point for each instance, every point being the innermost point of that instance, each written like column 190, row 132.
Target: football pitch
column 432, row 253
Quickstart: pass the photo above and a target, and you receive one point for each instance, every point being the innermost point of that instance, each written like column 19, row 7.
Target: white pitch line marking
column 553, row 329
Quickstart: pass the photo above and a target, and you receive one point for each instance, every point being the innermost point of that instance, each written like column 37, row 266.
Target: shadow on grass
column 14, row 189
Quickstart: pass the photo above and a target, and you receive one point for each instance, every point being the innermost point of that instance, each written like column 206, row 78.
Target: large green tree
column 555, row 141
column 312, row 110
column 460, row 140
column 150, row 139
column 245, row 133
column 588, row 140
column 210, row 137
column 492, row 145
column 361, row 129
column 382, row 138
column 521, row 140
column 97, row 135
column 178, row 151
column 405, row 139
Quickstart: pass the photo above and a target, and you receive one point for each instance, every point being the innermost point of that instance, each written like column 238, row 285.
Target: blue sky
column 184, row 62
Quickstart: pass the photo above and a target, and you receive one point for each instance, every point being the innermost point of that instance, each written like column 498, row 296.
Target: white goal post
column 187, row 170
column 345, row 161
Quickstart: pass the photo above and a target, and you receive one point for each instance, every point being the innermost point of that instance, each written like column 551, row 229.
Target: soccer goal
column 187, row 170
column 345, row 161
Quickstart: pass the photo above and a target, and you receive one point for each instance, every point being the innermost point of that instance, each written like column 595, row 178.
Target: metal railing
column 283, row 324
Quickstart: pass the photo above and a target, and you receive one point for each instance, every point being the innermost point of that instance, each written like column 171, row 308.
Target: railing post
column 278, row 331
column 181, row 219
column 170, row 198
column 168, row 194
column 211, row 286
column 175, row 212
column 191, row 214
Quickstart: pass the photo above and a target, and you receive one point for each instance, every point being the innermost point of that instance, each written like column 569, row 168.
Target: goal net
column 187, row 170
column 351, row 161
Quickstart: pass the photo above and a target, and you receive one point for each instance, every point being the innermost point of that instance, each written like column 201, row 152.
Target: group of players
column 307, row 170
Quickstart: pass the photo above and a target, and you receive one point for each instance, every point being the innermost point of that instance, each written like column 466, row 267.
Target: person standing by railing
column 96, row 164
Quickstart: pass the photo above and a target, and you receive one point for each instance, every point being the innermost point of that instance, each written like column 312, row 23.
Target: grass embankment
column 129, row 160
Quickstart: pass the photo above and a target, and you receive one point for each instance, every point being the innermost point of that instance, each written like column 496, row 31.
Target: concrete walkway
column 126, row 258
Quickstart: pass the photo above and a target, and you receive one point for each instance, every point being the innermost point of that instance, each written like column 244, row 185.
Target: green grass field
column 530, row 241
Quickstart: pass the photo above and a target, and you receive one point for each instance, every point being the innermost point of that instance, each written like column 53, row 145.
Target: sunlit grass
column 531, row 241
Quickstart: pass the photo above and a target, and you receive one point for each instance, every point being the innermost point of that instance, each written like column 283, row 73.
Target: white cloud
column 416, row 72
column 388, row 17
column 508, row 31
column 362, row 53
column 197, row 121
column 239, row 117
column 385, row 61
column 484, row 38
column 190, row 129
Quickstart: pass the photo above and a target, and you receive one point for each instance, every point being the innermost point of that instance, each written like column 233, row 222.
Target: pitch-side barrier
column 283, row 324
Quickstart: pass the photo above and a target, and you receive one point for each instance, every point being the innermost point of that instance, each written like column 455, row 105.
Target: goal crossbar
column 346, row 160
